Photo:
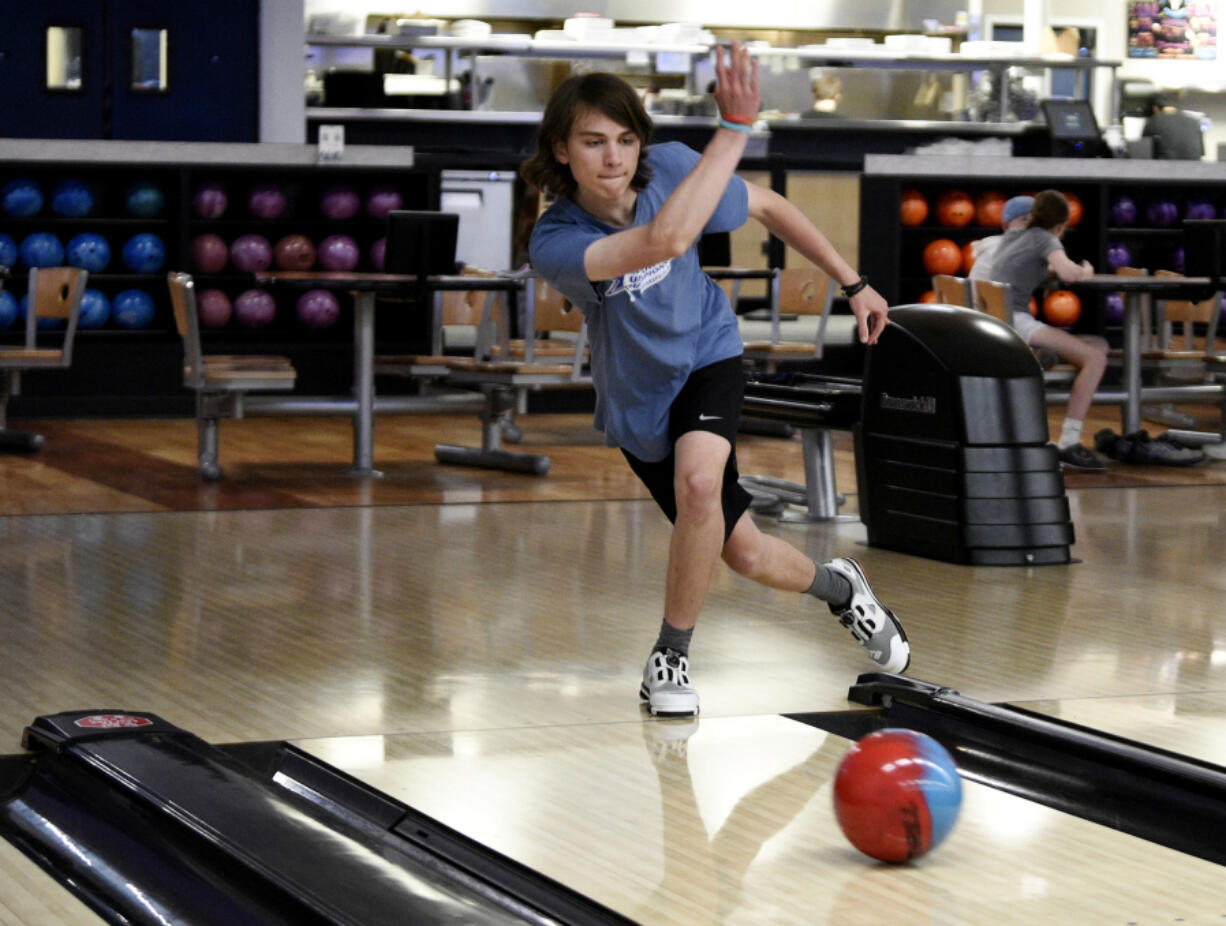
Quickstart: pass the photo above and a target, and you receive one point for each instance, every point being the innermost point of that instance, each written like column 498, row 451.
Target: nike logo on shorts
column 702, row 417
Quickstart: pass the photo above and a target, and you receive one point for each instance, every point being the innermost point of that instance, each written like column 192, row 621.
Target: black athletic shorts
column 710, row 400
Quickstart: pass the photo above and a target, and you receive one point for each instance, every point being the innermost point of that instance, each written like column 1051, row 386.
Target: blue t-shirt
column 651, row 328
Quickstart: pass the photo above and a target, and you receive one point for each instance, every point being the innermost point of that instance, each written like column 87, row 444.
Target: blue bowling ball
column 144, row 200
column 42, row 249
column 132, row 308
column 95, row 309
column 8, row 252
column 72, row 199
column 89, row 251
column 21, row 198
column 144, row 253
column 8, row 310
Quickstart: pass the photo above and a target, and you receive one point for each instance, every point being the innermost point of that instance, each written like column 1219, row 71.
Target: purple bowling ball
column 378, row 253
column 381, row 200
column 266, row 201
column 339, row 202
column 1178, row 259
column 209, row 253
column 250, row 253
column 1200, row 209
column 255, row 308
column 214, row 308
column 1123, row 211
column 1118, row 255
column 210, row 201
column 318, row 308
column 1114, row 306
column 338, row 252
column 1162, row 212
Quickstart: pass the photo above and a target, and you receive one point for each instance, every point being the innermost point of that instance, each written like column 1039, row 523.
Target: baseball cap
column 1015, row 208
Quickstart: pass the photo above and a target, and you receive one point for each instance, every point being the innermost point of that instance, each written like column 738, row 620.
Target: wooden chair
column 802, row 291
column 952, row 290
column 992, row 298
column 220, row 381
column 54, row 295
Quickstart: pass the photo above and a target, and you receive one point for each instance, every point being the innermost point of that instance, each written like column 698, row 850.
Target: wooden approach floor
column 470, row 642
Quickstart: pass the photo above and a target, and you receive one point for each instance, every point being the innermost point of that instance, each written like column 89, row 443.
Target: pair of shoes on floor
column 666, row 688
column 1080, row 457
column 1139, row 448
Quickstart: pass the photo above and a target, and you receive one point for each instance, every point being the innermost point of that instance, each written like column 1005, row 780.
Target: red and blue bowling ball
column 89, row 251
column 209, row 253
column 213, row 308
column 95, row 309
column 339, row 252
column 41, row 249
column 1118, row 255
column 144, row 253
column 8, row 251
column 21, row 198
column 250, row 253
column 132, row 308
column 266, row 201
column 897, row 795
column 318, row 308
column 144, row 200
column 255, row 308
column 210, row 201
column 72, row 199
column 339, row 202
column 8, row 310
column 294, row 252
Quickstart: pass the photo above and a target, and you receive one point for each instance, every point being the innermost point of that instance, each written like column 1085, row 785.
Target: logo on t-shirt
column 640, row 280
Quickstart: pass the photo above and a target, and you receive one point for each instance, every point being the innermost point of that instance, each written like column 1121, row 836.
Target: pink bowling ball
column 210, row 201
column 214, row 308
column 338, row 252
column 250, row 253
column 381, row 200
column 339, row 202
column 255, row 308
column 318, row 308
column 209, row 253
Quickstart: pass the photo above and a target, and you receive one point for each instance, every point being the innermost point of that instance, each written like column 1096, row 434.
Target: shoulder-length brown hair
column 605, row 93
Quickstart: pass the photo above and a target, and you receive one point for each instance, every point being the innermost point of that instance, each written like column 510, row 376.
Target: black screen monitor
column 1070, row 120
column 421, row 243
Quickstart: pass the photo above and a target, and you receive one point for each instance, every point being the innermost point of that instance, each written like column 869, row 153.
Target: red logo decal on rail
column 106, row 721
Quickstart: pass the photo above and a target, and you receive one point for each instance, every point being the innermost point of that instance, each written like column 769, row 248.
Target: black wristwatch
column 849, row 291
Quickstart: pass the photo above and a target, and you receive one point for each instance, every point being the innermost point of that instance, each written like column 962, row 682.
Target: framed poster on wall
column 1172, row 30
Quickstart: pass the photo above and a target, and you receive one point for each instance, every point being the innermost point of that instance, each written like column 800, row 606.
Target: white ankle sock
column 1070, row 434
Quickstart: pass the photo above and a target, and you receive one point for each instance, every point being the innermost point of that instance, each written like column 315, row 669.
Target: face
column 603, row 155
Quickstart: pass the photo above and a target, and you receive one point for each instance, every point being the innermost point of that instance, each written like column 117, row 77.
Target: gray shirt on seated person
column 1021, row 261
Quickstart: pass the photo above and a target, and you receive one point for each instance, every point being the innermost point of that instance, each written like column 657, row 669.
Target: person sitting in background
column 1014, row 214
column 827, row 93
column 1177, row 135
column 1024, row 259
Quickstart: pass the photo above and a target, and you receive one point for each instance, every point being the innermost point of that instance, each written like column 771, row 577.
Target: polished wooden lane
column 436, row 610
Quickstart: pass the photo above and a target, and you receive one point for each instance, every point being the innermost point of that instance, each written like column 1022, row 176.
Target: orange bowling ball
column 913, row 209
column 955, row 208
column 929, row 295
column 1034, row 307
column 968, row 257
column 1075, row 209
column 1061, row 308
column 988, row 208
column 942, row 256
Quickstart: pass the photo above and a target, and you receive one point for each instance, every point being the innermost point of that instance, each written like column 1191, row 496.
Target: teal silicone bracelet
column 735, row 126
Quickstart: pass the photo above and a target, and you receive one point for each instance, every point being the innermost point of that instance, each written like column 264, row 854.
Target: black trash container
column 952, row 454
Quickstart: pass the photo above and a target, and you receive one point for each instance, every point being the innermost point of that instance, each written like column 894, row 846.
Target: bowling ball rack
column 147, row 823
column 1167, row 798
